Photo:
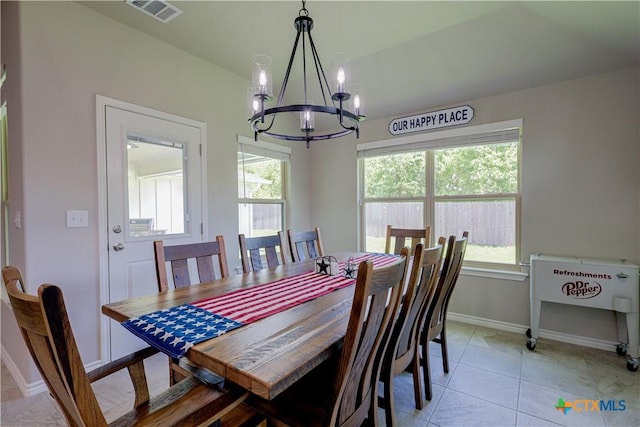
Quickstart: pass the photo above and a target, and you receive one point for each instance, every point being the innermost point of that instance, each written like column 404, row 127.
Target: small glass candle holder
column 350, row 269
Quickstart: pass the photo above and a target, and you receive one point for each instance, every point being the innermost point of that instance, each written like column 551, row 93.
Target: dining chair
column 178, row 256
column 343, row 390
column 45, row 327
column 403, row 352
column 434, row 326
column 251, row 249
column 305, row 244
column 399, row 238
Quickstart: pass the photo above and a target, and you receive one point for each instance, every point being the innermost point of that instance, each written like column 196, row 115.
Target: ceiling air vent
column 161, row 10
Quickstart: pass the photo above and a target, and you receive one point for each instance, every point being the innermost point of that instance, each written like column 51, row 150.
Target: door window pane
column 156, row 179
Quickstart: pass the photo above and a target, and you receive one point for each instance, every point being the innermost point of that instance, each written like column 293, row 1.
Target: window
column 454, row 181
column 262, row 171
column 156, row 175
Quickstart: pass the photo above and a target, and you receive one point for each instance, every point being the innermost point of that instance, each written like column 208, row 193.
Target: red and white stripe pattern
column 251, row 304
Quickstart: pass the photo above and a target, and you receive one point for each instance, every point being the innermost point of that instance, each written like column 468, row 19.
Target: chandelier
column 333, row 112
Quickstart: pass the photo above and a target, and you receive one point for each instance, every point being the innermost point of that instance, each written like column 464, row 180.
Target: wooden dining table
column 270, row 354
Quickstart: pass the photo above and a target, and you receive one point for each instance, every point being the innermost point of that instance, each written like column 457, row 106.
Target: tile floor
column 493, row 381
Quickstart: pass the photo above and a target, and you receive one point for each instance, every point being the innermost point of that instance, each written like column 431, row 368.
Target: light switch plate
column 77, row 218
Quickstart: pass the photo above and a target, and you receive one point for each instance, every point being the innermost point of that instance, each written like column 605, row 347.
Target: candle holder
column 350, row 269
column 327, row 265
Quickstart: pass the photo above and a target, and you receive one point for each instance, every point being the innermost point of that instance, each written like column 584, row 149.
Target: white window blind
column 264, row 149
column 492, row 133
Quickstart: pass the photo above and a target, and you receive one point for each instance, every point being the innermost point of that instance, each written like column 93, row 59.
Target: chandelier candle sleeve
column 357, row 94
column 342, row 73
column 261, row 75
column 307, row 121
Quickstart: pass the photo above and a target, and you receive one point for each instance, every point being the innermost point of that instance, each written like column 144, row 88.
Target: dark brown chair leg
column 389, row 404
column 426, row 369
column 445, row 354
column 417, row 385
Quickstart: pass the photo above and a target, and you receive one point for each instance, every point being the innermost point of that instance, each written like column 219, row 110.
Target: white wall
column 580, row 162
column 580, row 181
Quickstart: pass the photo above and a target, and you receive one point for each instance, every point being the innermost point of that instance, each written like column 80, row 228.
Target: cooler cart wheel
column 621, row 349
column 531, row 344
column 632, row 364
column 528, row 333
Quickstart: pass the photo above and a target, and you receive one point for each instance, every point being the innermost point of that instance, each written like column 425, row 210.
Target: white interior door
column 154, row 192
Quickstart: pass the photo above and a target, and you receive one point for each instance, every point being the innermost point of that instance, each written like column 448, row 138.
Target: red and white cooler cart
column 604, row 284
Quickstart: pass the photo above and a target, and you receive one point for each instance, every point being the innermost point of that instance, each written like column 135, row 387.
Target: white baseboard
column 27, row 389
column 543, row 333
column 36, row 387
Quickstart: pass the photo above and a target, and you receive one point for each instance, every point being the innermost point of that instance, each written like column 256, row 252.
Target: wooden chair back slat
column 375, row 304
column 399, row 236
column 251, row 251
column 178, row 256
column 305, row 244
column 206, row 271
column 180, row 273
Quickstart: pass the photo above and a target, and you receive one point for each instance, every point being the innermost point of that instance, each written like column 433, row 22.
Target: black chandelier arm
column 342, row 113
column 319, row 70
column 259, row 118
column 304, row 64
column 286, row 75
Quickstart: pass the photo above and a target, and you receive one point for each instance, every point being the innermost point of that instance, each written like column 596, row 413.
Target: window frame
column 429, row 142
column 276, row 152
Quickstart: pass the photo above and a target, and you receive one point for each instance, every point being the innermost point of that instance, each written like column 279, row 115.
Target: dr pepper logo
column 581, row 290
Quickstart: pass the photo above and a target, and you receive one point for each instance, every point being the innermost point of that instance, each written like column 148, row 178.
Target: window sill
column 494, row 274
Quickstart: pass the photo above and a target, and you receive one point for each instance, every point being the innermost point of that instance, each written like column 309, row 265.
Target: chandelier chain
column 303, row 11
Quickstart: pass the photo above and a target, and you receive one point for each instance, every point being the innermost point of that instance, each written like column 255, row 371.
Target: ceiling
column 411, row 56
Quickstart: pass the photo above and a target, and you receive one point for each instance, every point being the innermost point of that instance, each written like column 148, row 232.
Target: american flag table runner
column 174, row 330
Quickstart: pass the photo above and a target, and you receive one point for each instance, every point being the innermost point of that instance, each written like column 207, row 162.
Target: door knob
column 118, row 247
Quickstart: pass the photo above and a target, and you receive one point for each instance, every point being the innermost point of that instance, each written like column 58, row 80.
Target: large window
column 453, row 184
column 261, row 188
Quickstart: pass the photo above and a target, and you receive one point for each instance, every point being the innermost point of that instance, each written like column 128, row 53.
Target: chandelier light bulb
column 263, row 81
column 341, row 79
column 356, row 104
